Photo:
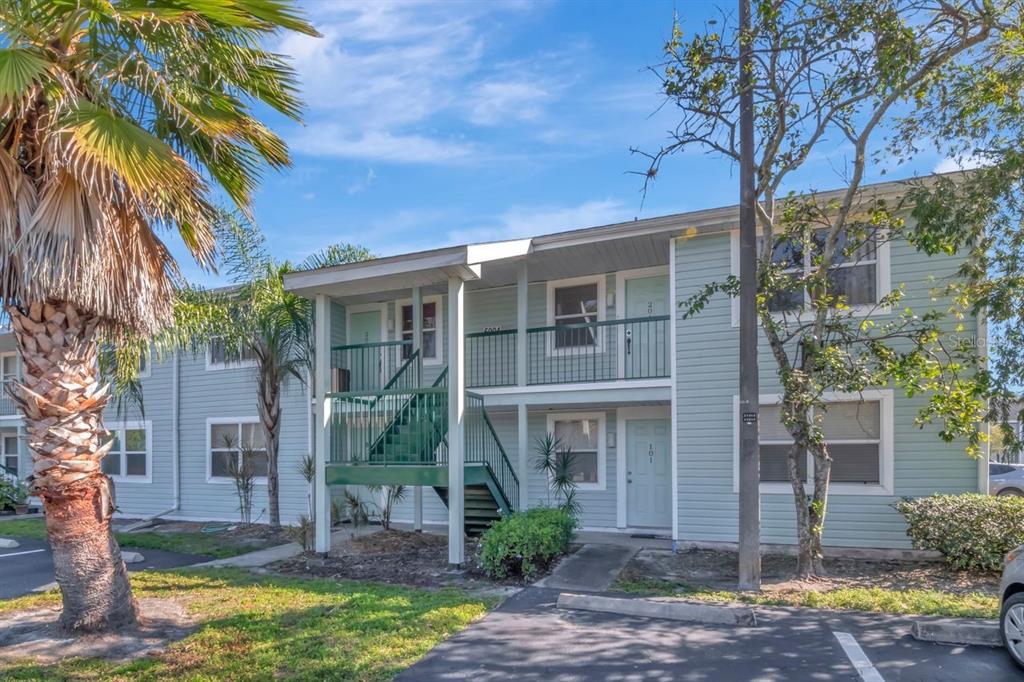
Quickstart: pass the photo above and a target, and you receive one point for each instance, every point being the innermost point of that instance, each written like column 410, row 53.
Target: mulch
column 718, row 570
column 397, row 557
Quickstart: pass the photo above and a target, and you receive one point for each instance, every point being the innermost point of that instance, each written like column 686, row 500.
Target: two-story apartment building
column 441, row 369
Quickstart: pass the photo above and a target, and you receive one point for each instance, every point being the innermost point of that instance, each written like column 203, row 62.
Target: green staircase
column 399, row 436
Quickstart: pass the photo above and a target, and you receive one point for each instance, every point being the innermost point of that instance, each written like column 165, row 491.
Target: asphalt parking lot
column 527, row 638
column 30, row 566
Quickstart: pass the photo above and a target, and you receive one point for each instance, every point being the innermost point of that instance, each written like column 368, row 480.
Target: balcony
column 586, row 352
column 7, row 406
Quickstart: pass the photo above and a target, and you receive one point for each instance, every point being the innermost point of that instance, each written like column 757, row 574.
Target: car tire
column 1011, row 627
column 1010, row 492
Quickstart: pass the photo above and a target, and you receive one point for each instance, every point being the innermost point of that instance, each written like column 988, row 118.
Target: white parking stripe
column 30, row 551
column 857, row 656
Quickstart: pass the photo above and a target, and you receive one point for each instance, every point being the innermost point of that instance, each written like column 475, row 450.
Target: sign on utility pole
column 750, row 464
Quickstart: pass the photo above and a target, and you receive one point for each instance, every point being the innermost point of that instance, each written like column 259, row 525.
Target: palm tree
column 118, row 118
column 257, row 318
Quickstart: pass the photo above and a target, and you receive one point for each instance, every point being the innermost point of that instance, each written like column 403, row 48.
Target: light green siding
column 707, row 381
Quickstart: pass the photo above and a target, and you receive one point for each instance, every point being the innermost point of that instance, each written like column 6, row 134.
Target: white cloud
column 501, row 101
column 363, row 184
column 385, row 76
column 951, row 164
column 520, row 222
column 333, row 140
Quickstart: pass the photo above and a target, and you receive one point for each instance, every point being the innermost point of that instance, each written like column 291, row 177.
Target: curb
column 665, row 609
column 958, row 632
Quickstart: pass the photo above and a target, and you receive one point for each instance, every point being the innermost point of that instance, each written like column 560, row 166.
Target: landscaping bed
column 272, row 627
column 910, row 587
column 216, row 540
column 397, row 557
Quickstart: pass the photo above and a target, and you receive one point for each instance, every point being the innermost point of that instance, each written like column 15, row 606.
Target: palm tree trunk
column 270, row 416
column 62, row 401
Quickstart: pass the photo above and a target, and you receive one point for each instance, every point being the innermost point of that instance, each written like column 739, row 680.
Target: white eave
column 424, row 269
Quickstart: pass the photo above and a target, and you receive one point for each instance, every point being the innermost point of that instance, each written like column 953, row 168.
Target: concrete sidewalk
column 591, row 569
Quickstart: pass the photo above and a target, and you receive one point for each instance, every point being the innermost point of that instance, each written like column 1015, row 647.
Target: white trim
column 885, row 445
column 602, row 443
column 623, row 415
column 553, row 284
column 578, row 386
column 210, row 422
column 883, row 277
column 366, row 308
column 673, row 378
column 145, row 425
column 438, row 328
column 212, row 366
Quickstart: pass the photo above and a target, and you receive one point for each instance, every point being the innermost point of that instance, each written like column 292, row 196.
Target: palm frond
column 336, row 254
column 22, row 72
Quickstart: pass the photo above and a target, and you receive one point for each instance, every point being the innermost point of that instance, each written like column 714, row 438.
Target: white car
column 1011, row 615
column 1006, row 479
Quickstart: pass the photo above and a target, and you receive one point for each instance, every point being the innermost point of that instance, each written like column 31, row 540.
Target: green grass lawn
column 917, row 602
column 268, row 628
column 215, row 545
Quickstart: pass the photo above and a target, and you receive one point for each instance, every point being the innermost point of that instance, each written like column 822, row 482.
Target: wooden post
column 456, row 421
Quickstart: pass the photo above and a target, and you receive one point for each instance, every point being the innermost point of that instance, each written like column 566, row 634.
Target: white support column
column 417, row 344
column 456, row 421
column 522, row 294
column 524, row 450
column 322, row 405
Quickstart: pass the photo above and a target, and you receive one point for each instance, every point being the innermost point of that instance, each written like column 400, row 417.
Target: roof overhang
column 396, row 273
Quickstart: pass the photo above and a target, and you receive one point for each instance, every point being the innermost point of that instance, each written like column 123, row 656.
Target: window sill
column 874, row 489
column 224, row 480
column 130, row 479
column 220, row 367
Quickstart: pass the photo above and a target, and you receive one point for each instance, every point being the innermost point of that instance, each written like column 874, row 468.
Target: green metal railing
column 491, row 358
column 407, row 426
column 367, row 366
column 484, row 446
column 632, row 348
column 7, row 406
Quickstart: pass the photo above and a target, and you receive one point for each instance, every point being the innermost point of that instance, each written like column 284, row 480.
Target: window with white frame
column 583, row 435
column 8, row 367
column 221, row 355
column 853, row 276
column 574, row 305
column 233, row 442
column 9, row 452
column 129, row 455
column 853, row 435
column 431, row 349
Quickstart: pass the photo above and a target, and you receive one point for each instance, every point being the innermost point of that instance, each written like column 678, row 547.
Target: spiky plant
column 118, row 119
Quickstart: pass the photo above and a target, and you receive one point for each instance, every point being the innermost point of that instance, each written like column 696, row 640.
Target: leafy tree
column 853, row 70
column 256, row 318
column 117, row 120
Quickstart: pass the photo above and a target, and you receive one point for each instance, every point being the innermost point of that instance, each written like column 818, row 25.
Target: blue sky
column 433, row 123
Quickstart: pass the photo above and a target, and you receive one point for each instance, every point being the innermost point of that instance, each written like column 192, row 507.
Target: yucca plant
column 118, row 119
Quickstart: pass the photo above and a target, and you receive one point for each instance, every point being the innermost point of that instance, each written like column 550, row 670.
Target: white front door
column 648, row 473
column 646, row 342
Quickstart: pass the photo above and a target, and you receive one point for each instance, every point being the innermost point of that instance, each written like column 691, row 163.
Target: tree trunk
column 62, row 402
column 270, row 416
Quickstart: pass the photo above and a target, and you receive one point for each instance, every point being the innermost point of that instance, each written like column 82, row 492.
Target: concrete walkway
column 260, row 557
column 592, row 569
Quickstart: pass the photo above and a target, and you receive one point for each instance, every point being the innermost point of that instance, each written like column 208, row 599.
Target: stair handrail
column 501, row 467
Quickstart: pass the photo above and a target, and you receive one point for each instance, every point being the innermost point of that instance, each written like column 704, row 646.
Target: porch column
column 417, row 344
column 322, row 407
column 456, row 421
column 522, row 293
column 524, row 453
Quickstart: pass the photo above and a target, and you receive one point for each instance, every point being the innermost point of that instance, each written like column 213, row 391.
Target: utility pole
column 750, row 462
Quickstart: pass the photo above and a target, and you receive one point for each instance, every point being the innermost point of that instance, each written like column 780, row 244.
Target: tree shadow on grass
column 260, row 627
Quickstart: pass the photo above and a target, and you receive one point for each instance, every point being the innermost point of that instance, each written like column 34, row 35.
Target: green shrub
column 972, row 531
column 12, row 493
column 525, row 543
